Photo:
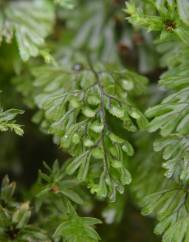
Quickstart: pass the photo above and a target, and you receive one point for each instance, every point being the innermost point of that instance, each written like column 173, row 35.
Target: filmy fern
column 30, row 22
column 170, row 204
column 85, row 94
column 79, row 113
column 7, row 121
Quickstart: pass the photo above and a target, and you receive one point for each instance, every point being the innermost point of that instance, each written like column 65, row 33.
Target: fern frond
column 7, row 121
column 176, row 153
column 76, row 228
column 166, row 17
column 171, row 209
column 171, row 116
column 78, row 102
column 14, row 217
column 169, row 201
column 56, row 184
column 30, row 22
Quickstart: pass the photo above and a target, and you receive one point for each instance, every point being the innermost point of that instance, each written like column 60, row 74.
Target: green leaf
column 96, row 126
column 127, row 147
column 88, row 112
